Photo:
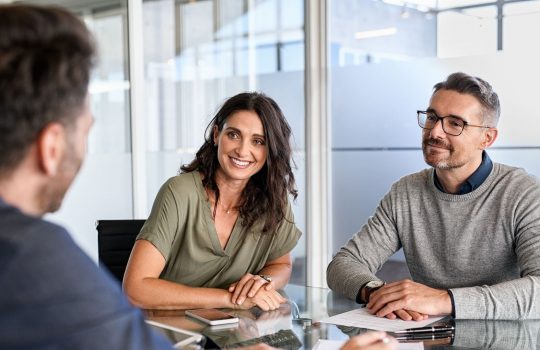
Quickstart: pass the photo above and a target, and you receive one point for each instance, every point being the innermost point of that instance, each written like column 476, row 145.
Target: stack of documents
column 406, row 330
column 361, row 318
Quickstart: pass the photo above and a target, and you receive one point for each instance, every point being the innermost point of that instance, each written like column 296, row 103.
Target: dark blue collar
column 475, row 180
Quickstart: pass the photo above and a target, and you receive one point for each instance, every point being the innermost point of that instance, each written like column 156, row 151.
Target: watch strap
column 369, row 291
column 359, row 295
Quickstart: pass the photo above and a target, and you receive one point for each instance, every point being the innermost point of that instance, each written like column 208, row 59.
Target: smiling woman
column 221, row 232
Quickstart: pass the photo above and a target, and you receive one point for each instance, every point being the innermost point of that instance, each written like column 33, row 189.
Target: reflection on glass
column 467, row 32
column 364, row 32
column 521, row 19
column 109, row 86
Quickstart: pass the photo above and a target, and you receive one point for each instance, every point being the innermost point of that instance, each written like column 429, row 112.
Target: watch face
column 375, row 284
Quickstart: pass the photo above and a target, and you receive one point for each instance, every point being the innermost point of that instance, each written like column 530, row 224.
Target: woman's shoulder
column 184, row 180
column 184, row 183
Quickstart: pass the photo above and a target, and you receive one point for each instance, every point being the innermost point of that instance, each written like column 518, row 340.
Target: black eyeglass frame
column 465, row 123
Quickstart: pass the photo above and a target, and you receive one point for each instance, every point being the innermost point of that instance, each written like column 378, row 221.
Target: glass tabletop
column 296, row 325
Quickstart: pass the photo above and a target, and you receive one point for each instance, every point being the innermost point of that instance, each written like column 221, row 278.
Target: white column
column 137, row 107
column 318, row 144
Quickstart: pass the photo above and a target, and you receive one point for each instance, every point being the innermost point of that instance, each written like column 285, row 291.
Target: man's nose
column 438, row 130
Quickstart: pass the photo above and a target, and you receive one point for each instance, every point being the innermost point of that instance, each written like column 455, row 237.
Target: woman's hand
column 371, row 341
column 265, row 299
column 247, row 287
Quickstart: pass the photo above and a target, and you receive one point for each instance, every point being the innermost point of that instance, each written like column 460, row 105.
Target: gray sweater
column 484, row 246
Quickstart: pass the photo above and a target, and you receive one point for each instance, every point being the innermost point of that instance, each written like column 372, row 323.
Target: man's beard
column 52, row 195
column 446, row 163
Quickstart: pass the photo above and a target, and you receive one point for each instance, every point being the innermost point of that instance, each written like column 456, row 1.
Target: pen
column 425, row 336
column 432, row 329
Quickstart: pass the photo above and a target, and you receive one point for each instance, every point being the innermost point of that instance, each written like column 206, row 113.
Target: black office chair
column 115, row 241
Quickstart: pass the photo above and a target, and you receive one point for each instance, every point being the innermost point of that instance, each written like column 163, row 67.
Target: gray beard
column 442, row 164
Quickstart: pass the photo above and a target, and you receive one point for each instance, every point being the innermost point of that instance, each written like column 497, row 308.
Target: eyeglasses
column 451, row 125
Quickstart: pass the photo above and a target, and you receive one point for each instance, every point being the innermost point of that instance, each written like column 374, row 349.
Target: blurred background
column 166, row 66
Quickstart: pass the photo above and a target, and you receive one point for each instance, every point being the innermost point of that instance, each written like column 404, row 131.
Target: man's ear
column 51, row 145
column 490, row 135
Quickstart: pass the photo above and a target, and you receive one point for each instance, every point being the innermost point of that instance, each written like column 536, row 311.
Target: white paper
column 323, row 344
column 360, row 318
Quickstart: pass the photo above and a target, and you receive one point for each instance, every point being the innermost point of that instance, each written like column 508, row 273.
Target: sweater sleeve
column 357, row 261
column 519, row 298
column 511, row 300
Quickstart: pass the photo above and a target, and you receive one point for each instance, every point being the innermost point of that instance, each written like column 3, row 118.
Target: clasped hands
column 408, row 301
column 253, row 290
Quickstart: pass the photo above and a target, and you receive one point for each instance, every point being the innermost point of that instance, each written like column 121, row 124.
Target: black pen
column 430, row 329
column 425, row 336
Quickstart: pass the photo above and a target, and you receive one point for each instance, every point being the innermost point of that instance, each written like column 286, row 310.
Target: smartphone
column 212, row 316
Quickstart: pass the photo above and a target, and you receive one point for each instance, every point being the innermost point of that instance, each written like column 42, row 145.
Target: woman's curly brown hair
column 266, row 194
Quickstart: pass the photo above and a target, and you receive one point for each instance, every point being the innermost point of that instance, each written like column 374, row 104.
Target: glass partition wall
column 385, row 57
column 195, row 54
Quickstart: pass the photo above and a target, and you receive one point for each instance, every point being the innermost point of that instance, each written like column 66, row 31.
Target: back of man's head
column 46, row 55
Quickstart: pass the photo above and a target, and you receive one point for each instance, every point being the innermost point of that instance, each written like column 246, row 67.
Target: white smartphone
column 212, row 316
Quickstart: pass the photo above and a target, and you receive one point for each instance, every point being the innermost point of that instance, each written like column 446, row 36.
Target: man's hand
column 407, row 315
column 247, row 287
column 407, row 300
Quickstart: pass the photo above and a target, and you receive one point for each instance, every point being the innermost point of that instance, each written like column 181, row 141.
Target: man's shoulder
column 21, row 231
column 41, row 253
column 515, row 176
column 50, row 285
column 512, row 170
column 414, row 179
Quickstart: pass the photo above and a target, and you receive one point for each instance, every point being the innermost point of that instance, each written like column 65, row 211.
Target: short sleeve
column 287, row 235
column 162, row 225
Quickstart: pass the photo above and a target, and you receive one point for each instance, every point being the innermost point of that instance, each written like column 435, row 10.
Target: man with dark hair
column 52, row 295
column 469, row 227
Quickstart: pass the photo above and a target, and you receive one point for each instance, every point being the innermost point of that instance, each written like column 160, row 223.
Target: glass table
column 308, row 305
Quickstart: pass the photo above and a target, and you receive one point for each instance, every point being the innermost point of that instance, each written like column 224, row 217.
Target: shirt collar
column 475, row 180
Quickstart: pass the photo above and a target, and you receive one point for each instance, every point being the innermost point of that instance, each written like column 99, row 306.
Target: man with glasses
column 469, row 227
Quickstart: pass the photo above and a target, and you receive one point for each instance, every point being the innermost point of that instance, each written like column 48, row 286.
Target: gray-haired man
column 469, row 227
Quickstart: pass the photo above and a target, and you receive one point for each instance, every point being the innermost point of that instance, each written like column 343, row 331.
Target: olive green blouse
column 181, row 227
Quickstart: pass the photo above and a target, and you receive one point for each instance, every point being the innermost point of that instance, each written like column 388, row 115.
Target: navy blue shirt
column 53, row 296
column 475, row 180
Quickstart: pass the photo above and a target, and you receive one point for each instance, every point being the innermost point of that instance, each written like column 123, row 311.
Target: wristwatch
column 266, row 278
column 368, row 288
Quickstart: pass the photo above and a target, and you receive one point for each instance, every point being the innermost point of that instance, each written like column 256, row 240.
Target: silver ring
column 266, row 278
column 385, row 340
